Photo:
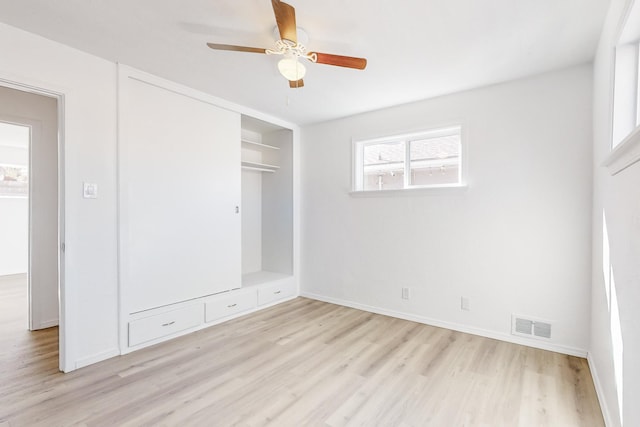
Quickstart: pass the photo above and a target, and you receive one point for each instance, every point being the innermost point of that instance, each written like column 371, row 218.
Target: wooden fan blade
column 236, row 48
column 296, row 84
column 340, row 61
column 286, row 19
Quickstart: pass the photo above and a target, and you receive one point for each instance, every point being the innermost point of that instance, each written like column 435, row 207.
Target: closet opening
column 267, row 202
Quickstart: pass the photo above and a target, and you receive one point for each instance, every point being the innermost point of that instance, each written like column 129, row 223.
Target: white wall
column 90, row 314
column 516, row 241
column 14, row 226
column 615, row 340
column 14, row 220
column 251, row 214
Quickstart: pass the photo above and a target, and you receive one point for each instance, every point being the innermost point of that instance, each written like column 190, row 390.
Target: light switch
column 89, row 190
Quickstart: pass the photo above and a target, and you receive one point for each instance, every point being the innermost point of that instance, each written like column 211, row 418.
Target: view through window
column 427, row 159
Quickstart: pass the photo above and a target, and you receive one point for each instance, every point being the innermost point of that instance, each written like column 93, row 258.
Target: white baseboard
column 13, row 276
column 48, row 324
column 572, row 351
column 606, row 414
column 98, row 357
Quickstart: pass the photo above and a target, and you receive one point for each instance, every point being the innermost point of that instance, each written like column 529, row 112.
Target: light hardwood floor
column 301, row 363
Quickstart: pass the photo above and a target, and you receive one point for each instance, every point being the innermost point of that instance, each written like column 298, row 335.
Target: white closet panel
column 180, row 186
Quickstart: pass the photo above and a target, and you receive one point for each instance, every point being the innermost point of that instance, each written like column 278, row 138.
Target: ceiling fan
column 291, row 50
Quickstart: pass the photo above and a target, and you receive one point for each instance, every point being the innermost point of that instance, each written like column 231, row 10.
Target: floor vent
column 531, row 328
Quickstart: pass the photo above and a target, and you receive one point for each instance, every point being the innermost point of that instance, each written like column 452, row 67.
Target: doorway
column 30, row 258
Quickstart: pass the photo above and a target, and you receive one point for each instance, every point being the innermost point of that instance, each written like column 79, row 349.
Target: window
column 626, row 100
column 421, row 160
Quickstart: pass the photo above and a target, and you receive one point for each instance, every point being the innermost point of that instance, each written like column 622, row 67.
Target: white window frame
column 357, row 163
column 625, row 93
column 626, row 111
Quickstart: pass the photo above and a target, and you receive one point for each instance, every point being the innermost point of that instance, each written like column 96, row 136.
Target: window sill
column 625, row 154
column 440, row 189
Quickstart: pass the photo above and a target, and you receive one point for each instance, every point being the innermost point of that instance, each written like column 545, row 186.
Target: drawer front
column 228, row 305
column 164, row 324
column 276, row 291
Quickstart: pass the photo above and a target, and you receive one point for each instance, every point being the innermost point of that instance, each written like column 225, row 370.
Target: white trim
column 47, row 324
column 13, row 276
column 625, row 154
column 98, row 357
column 296, row 188
column 611, row 98
column 620, row 40
column 14, row 197
column 624, row 19
column 64, row 312
column 35, row 132
column 412, row 191
column 571, row 351
column 606, row 414
column 122, row 314
column 441, row 129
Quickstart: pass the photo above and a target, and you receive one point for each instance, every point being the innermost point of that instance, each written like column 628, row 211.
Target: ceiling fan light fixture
column 291, row 69
column 290, row 44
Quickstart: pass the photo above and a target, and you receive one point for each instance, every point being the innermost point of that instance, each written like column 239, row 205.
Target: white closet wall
column 277, row 207
column 267, row 197
column 251, row 213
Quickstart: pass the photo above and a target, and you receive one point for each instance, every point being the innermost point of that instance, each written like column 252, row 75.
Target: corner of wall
column 606, row 414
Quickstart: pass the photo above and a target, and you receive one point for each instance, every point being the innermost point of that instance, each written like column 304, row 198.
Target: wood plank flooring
column 301, row 363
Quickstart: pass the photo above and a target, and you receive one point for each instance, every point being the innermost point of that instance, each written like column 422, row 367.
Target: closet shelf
column 260, row 145
column 262, row 167
column 261, row 277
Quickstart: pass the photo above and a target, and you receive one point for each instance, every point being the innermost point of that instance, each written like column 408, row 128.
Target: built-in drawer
column 230, row 304
column 164, row 324
column 275, row 291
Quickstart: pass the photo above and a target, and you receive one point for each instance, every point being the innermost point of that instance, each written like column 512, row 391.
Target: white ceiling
column 416, row 49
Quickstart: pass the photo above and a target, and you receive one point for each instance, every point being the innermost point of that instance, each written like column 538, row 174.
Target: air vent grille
column 523, row 326
column 542, row 329
column 528, row 327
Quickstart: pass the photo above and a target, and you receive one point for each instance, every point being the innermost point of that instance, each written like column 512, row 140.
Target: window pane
column 383, row 166
column 625, row 97
column 435, row 161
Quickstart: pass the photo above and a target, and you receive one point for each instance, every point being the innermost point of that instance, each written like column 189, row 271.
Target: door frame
column 61, row 209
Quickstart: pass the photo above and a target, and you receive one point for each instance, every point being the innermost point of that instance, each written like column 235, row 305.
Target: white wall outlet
column 405, row 293
column 464, row 304
column 89, row 190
